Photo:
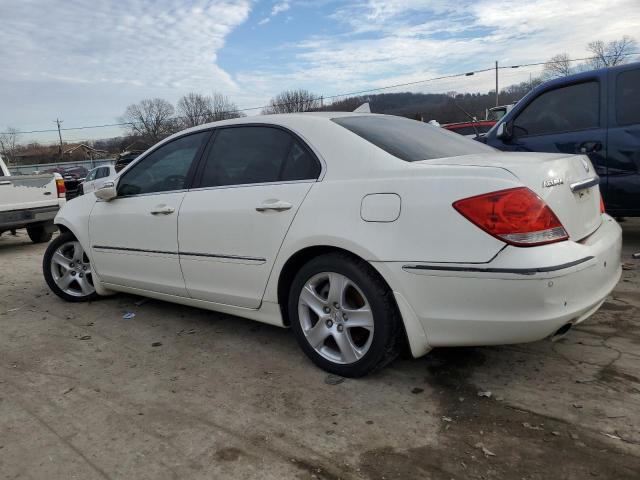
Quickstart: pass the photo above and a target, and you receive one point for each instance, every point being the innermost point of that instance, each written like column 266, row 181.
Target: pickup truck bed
column 31, row 202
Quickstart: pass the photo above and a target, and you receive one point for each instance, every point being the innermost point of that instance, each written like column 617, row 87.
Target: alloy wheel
column 71, row 270
column 336, row 317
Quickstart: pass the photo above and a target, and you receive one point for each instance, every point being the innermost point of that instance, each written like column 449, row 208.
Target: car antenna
column 473, row 119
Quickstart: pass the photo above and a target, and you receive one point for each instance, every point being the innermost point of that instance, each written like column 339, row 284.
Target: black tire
column 39, row 234
column 387, row 331
column 48, row 276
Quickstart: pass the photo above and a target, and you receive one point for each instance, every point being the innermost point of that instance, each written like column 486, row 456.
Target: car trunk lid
column 567, row 183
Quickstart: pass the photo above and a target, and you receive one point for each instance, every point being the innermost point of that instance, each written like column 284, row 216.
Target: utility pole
column 58, row 122
column 497, row 99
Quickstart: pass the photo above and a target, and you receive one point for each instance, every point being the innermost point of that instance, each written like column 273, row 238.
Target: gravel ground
column 85, row 394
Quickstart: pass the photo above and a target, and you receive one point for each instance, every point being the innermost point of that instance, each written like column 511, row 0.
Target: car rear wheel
column 67, row 270
column 344, row 315
column 39, row 234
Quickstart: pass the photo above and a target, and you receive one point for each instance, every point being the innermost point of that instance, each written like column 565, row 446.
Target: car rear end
column 30, row 200
column 489, row 247
column 559, row 258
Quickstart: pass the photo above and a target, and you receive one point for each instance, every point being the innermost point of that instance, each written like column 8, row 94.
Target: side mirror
column 107, row 192
column 504, row 131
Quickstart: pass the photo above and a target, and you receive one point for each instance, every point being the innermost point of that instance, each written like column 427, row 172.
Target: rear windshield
column 411, row 140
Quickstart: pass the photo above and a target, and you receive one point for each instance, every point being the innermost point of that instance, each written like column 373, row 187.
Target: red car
column 470, row 129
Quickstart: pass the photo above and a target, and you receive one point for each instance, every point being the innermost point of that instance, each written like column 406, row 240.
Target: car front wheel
column 67, row 270
column 344, row 315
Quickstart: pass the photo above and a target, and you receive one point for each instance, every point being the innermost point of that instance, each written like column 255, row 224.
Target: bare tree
column 612, row 53
column 194, row 109
column 291, row 101
column 558, row 66
column 222, row 108
column 151, row 119
column 9, row 143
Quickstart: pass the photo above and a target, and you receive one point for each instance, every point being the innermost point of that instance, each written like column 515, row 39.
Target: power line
column 248, row 109
column 330, row 97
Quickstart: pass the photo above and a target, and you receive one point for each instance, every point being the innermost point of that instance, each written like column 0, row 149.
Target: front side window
column 165, row 169
column 566, row 109
column 91, row 176
column 410, row 140
column 628, row 98
column 255, row 154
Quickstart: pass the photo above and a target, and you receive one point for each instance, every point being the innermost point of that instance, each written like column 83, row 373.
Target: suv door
column 250, row 184
column 623, row 195
column 134, row 236
column 565, row 119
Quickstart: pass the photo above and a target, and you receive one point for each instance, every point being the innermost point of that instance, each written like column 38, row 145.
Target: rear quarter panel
column 427, row 230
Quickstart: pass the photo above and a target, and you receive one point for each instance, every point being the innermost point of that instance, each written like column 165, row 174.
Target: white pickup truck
column 31, row 202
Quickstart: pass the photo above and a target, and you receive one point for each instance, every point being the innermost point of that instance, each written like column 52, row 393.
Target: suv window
column 410, row 140
column 165, row 169
column 246, row 155
column 628, row 97
column 565, row 109
column 91, row 175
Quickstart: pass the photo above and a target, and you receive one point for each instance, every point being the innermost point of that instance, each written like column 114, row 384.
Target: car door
column 250, row 184
column 101, row 175
column 623, row 195
column 566, row 119
column 134, row 237
column 87, row 185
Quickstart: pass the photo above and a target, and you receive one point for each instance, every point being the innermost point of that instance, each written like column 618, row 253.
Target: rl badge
column 552, row 182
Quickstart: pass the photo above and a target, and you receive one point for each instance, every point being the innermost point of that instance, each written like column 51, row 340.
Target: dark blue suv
column 595, row 113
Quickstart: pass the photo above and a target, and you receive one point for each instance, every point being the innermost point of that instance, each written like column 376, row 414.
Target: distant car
column 96, row 178
column 72, row 176
column 358, row 231
column 125, row 158
column 470, row 129
column 595, row 113
column 496, row 113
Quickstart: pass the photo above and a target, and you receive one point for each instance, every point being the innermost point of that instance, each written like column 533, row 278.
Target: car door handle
column 277, row 206
column 162, row 210
column 5, row 182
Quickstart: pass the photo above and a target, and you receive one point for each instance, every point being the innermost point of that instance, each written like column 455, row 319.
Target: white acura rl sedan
column 360, row 232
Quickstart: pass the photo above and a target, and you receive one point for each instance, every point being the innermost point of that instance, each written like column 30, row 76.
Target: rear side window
column 628, row 97
column 566, row 109
column 254, row 154
column 410, row 140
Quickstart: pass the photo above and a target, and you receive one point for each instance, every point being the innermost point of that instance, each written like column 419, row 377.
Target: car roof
column 576, row 77
column 281, row 119
column 290, row 120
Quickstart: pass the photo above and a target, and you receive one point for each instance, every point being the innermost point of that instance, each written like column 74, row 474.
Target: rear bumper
column 522, row 295
column 22, row 218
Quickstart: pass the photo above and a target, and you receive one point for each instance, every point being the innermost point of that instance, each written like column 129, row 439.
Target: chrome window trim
column 242, row 185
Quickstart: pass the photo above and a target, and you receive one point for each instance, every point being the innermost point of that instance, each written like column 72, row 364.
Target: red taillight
column 516, row 216
column 61, row 188
column 602, row 209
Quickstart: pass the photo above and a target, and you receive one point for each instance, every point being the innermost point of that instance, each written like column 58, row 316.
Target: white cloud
column 277, row 9
column 392, row 41
column 280, row 7
column 137, row 42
